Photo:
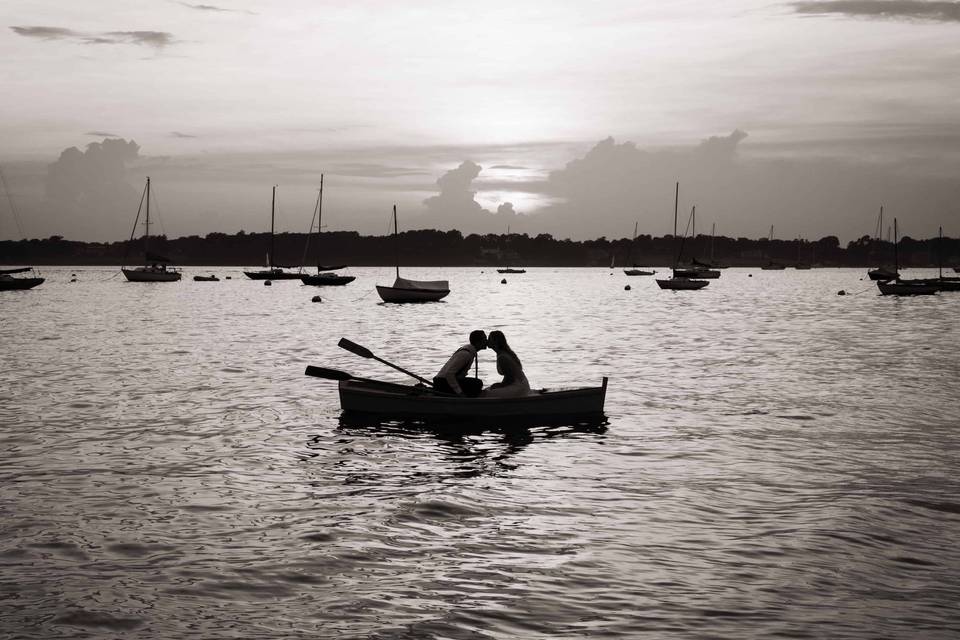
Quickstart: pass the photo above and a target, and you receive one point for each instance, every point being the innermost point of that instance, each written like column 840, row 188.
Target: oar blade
column 355, row 348
column 329, row 374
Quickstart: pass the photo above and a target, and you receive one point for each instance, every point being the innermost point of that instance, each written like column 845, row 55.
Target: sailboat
column 324, row 276
column 404, row 290
column 510, row 269
column 898, row 287
column 801, row 265
column 635, row 270
column 771, row 265
column 943, row 283
column 7, row 281
column 155, row 266
column 696, row 269
column 273, row 271
column 882, row 273
column 677, row 282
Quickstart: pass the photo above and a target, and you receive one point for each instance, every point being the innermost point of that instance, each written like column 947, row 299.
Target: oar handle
column 363, row 352
column 402, row 370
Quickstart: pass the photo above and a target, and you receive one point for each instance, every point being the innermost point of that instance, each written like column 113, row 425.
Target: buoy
column 626, row 288
column 504, row 281
column 316, row 299
column 750, row 275
column 841, row 292
column 73, row 275
column 268, row 284
column 229, row 278
column 73, row 280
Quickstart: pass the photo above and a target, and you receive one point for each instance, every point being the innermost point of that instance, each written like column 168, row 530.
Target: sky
column 574, row 119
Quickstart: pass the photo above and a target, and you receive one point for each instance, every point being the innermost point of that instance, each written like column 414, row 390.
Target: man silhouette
column 452, row 378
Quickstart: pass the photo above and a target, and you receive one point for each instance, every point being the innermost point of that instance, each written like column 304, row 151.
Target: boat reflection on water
column 472, row 445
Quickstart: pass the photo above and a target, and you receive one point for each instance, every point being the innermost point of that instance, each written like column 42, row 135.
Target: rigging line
column 156, row 199
column 306, row 247
column 13, row 207
column 136, row 220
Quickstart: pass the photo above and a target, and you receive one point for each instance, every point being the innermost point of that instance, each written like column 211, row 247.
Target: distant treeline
column 452, row 248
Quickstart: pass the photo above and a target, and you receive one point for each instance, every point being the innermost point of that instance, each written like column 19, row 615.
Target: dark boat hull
column 403, row 295
column 422, row 403
column 19, row 284
column 906, row 288
column 511, row 270
column 272, row 275
column 882, row 275
column 701, row 274
column 637, row 272
column 206, row 279
column 151, row 275
column 326, row 280
column 682, row 284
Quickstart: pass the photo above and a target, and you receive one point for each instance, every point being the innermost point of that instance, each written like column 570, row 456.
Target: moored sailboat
column 155, row 265
column 635, row 270
column 273, row 271
column 679, row 282
column 7, row 281
column 898, row 287
column 404, row 290
column 882, row 273
column 696, row 269
column 771, row 265
column 324, row 276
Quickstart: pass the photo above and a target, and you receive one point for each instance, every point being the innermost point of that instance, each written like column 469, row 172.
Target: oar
column 336, row 374
column 363, row 352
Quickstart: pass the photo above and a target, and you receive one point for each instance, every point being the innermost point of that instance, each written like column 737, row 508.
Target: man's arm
column 457, row 362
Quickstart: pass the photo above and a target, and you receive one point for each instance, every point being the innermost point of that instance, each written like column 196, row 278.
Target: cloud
column 156, row 39
column 456, row 207
column 722, row 147
column 93, row 181
column 177, row 134
column 101, row 134
column 373, row 170
column 892, row 9
column 509, row 166
column 46, row 33
column 213, row 8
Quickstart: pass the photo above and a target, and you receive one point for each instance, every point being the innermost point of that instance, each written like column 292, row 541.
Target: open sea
column 778, row 462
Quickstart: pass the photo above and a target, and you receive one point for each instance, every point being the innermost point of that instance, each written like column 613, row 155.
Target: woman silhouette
column 514, row 381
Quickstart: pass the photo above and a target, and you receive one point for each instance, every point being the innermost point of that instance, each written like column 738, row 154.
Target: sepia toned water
column 778, row 461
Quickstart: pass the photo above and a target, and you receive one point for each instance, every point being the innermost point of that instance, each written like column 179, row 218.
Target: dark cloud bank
column 891, row 9
column 156, row 39
column 91, row 194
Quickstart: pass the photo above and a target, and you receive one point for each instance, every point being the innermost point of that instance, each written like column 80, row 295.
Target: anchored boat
column 898, row 287
column 324, row 276
column 680, row 282
column 273, row 271
column 155, row 266
column 404, row 290
column 9, row 283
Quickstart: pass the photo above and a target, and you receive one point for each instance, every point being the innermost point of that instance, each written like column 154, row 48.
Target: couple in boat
column 454, row 376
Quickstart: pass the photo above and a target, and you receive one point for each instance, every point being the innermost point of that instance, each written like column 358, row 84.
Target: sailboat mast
column 676, row 201
column 273, row 210
column 396, row 240
column 940, row 253
column 146, row 235
column 713, row 232
column 319, row 220
column 896, row 254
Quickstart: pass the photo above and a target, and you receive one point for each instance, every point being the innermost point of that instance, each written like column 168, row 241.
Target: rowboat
column 326, row 279
column 363, row 396
column 210, row 278
column 511, row 270
column 9, row 283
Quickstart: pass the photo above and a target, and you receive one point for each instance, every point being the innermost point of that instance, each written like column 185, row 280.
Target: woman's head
column 498, row 342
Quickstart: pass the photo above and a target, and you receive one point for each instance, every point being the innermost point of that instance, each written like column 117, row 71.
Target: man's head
column 478, row 339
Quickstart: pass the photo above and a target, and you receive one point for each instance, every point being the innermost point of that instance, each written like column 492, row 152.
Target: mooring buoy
column 626, row 288
column 268, row 284
column 504, row 281
column 316, row 299
column 841, row 292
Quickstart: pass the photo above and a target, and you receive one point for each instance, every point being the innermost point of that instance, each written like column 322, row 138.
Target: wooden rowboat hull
column 422, row 403
column 637, row 272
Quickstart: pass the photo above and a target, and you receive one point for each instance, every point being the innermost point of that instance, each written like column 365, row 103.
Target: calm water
column 779, row 462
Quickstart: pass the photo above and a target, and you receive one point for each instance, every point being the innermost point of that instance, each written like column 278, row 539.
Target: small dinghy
column 210, row 278
column 363, row 396
column 638, row 272
column 511, row 270
column 404, row 290
column 682, row 284
column 9, row 283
